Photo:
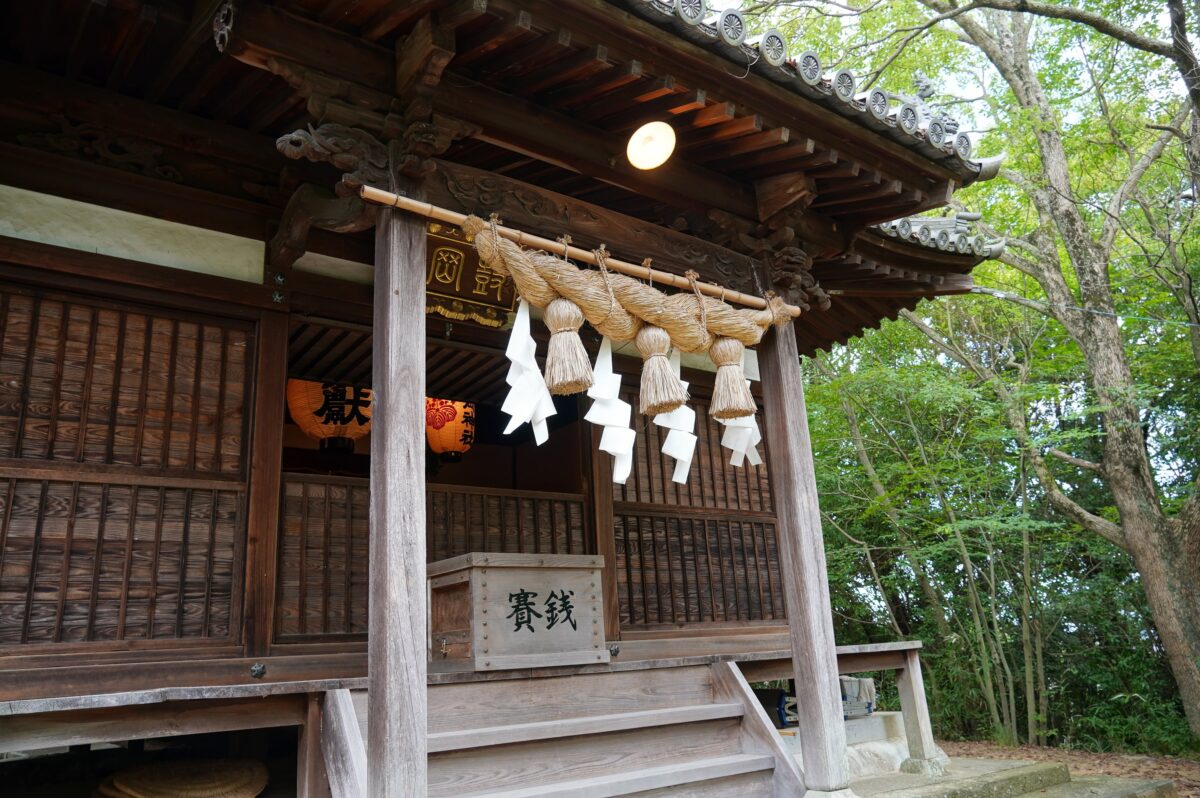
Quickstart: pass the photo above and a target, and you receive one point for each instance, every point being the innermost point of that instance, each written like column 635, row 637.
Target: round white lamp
column 651, row 145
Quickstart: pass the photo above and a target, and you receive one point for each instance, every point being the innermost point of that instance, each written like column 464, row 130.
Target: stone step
column 968, row 779
column 1108, row 787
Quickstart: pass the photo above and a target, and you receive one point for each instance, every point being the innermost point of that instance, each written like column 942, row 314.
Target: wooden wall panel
column 461, row 520
column 122, row 455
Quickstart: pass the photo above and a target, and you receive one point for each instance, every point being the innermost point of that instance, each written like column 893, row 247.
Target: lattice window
column 122, row 468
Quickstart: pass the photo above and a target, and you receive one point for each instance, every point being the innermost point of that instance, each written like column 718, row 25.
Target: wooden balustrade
column 323, row 560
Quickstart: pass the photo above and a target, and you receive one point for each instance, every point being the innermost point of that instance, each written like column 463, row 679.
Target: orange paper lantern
column 449, row 426
column 332, row 413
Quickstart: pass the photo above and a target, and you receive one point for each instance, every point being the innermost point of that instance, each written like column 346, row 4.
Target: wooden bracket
column 781, row 192
column 422, row 56
column 310, row 206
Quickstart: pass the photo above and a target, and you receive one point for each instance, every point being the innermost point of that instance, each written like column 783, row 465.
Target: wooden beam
column 422, row 55
column 780, row 192
column 311, row 781
column 696, row 66
column 866, row 661
column 76, row 53
column 492, row 38
column 578, row 67
column 342, row 744
column 768, row 139
column 802, row 562
column 397, row 731
column 537, row 53
column 199, row 33
column 117, row 113
column 168, row 719
column 924, row 756
column 131, row 46
column 538, row 210
column 394, row 15
column 571, row 96
column 519, row 125
column 262, row 32
column 601, row 486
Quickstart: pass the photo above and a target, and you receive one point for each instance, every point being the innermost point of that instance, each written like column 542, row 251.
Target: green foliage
column 939, row 443
column 936, row 526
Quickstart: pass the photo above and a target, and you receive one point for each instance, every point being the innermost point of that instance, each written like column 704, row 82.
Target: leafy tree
column 1086, row 370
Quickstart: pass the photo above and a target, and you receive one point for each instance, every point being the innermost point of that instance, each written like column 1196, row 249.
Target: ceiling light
column 651, row 145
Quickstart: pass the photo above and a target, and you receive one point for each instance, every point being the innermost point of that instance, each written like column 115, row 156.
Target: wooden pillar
column 311, row 781
column 396, row 669
column 822, row 731
column 924, row 756
column 262, row 504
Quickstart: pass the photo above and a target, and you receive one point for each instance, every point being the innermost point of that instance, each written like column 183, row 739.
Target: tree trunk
column 1031, row 727
column 1173, row 592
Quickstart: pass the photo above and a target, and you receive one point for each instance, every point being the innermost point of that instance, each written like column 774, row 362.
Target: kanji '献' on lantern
column 334, row 414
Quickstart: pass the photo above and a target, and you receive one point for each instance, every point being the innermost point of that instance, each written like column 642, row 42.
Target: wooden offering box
column 500, row 611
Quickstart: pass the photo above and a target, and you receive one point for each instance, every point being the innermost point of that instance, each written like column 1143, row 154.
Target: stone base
column 846, row 793
column 924, row 767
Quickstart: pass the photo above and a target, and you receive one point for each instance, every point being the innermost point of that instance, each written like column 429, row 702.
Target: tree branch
column 1016, row 418
column 1078, row 462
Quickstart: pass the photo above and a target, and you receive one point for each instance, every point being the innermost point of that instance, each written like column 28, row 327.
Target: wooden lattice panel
column 122, row 468
column 324, row 535
column 323, row 564
column 698, row 553
column 712, row 481
column 462, row 520
column 675, row 570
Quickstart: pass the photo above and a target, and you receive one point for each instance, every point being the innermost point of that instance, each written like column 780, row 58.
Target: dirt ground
column 1185, row 772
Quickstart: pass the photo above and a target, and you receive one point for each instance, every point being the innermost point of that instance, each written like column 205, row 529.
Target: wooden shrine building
column 190, row 274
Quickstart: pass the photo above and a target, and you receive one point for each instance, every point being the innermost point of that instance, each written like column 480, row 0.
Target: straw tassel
column 661, row 391
column 731, row 395
column 568, row 369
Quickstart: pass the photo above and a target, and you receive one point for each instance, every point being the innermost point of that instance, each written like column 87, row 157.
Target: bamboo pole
column 429, row 211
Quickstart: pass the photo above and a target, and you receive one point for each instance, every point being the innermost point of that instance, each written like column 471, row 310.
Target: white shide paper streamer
column 528, row 399
column 680, row 424
column 612, row 413
column 742, row 435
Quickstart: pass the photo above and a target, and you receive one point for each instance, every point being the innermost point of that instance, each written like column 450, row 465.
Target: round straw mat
column 214, row 778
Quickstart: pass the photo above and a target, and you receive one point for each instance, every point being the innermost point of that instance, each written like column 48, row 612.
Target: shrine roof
column 906, row 119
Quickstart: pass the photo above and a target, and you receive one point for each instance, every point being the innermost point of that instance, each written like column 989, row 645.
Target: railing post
column 822, row 731
column 924, row 757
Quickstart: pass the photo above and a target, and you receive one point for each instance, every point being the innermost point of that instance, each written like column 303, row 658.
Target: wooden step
column 475, row 705
column 672, row 777
column 572, row 727
column 528, row 764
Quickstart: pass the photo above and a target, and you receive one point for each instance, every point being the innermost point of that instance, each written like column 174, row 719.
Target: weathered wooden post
column 924, row 757
column 802, row 559
column 396, row 733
